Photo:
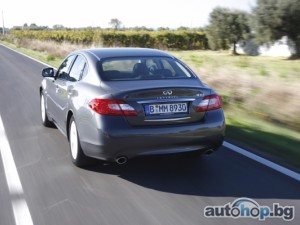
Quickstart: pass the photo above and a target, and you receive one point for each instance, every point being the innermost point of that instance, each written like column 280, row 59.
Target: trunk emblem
column 167, row 92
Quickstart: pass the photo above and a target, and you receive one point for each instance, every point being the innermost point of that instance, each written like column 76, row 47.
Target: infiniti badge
column 167, row 92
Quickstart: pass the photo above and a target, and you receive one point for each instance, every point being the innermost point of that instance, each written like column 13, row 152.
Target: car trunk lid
column 161, row 103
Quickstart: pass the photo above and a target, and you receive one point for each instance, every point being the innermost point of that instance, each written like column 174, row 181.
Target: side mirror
column 48, row 72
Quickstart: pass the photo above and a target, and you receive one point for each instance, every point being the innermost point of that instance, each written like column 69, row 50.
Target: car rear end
column 153, row 113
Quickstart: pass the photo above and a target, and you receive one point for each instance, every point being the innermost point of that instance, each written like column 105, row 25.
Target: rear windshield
column 143, row 68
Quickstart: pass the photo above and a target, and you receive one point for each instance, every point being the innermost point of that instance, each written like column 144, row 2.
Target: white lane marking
column 232, row 147
column 263, row 161
column 19, row 205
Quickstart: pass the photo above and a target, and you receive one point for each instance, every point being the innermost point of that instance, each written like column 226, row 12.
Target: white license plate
column 166, row 108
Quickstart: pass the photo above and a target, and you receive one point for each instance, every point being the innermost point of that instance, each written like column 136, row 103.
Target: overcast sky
column 84, row 13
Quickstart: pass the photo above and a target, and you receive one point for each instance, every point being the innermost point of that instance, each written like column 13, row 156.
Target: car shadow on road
column 222, row 174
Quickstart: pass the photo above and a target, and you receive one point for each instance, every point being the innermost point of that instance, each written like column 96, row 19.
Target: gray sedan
column 114, row 104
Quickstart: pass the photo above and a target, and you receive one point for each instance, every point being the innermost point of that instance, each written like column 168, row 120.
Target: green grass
column 269, row 140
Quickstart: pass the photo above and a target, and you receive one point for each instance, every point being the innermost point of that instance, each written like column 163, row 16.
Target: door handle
column 70, row 93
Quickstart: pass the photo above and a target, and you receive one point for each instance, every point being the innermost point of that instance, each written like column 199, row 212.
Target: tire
column 78, row 157
column 45, row 120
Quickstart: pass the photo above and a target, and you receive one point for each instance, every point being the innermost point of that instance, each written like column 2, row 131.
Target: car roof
column 101, row 53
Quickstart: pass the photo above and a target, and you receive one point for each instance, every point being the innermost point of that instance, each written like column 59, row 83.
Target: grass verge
column 269, row 140
column 41, row 56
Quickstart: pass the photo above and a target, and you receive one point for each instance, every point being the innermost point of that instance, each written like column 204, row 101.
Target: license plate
column 166, row 108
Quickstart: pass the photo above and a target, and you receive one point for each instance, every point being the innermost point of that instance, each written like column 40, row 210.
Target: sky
column 98, row 13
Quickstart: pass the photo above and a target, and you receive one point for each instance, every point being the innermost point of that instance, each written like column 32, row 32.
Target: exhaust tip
column 121, row 160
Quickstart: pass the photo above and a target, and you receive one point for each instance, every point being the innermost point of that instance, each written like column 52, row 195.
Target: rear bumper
column 114, row 137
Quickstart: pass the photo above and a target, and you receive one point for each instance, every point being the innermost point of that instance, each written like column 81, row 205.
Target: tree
column 115, row 23
column 33, row 26
column 58, row 27
column 183, row 28
column 25, row 26
column 274, row 19
column 163, row 28
column 227, row 27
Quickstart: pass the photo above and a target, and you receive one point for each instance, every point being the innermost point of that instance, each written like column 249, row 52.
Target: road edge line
column 20, row 208
column 263, row 161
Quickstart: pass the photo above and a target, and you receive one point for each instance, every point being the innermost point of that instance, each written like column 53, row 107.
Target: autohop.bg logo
column 249, row 208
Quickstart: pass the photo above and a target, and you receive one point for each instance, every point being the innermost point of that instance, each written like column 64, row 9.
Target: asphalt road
column 154, row 191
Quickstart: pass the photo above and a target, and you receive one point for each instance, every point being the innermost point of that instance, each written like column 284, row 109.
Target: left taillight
column 210, row 102
column 112, row 107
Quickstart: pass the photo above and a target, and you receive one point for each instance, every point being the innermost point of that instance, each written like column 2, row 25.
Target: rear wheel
column 77, row 155
column 45, row 120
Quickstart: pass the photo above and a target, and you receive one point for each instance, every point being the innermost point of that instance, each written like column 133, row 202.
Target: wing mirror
column 48, row 72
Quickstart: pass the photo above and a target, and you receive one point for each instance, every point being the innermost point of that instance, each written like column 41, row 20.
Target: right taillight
column 112, row 107
column 210, row 102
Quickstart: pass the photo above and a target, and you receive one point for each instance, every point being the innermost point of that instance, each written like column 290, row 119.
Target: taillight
column 210, row 102
column 112, row 107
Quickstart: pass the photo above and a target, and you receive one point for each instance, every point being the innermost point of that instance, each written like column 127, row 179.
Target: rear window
column 143, row 68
